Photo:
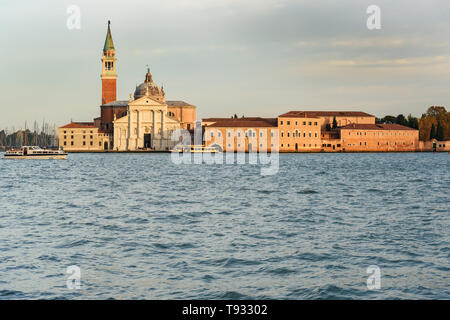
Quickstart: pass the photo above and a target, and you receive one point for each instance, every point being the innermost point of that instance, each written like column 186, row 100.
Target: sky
column 244, row 57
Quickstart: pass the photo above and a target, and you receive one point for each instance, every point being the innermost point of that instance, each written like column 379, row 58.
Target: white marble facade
column 146, row 126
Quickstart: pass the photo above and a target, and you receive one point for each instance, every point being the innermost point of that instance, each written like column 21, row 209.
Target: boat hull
column 40, row 157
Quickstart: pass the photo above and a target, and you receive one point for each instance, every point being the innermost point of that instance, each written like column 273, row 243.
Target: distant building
column 243, row 134
column 144, row 121
column 313, row 131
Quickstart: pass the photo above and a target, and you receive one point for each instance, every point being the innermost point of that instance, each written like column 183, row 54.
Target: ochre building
column 315, row 131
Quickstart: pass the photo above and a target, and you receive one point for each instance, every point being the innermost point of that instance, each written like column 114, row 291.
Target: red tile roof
column 249, row 122
column 388, row 126
column 315, row 114
column 79, row 125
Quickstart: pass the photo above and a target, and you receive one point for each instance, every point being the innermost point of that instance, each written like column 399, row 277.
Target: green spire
column 109, row 45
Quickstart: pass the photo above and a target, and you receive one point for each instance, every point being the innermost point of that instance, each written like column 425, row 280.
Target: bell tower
column 109, row 75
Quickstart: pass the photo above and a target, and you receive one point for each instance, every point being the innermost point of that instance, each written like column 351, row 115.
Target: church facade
column 143, row 122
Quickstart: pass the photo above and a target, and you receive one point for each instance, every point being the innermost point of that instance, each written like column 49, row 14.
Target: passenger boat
column 33, row 152
column 195, row 149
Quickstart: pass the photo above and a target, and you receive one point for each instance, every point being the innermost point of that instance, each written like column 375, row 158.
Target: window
column 282, row 134
column 309, row 123
column 100, row 144
column 295, row 122
column 64, row 132
column 71, row 137
column 84, row 137
column 271, row 133
column 304, row 123
column 71, row 143
column 92, row 137
column 84, row 143
column 229, row 134
column 92, row 143
column 260, row 134
column 315, row 123
column 219, row 134
column 281, row 122
column 65, row 143
column 288, row 134
column 212, row 134
column 65, row 137
column 315, row 134
column 288, row 123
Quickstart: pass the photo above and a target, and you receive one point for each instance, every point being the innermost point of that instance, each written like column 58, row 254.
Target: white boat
column 33, row 152
column 195, row 149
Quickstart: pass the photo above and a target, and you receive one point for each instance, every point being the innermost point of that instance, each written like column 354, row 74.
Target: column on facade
column 129, row 129
column 162, row 127
column 138, row 127
column 153, row 127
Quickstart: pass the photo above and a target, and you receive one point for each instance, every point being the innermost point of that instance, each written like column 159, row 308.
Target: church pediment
column 147, row 101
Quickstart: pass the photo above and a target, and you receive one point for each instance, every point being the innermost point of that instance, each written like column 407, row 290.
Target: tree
column 389, row 119
column 334, row 122
column 436, row 111
column 401, row 120
column 413, row 122
column 432, row 132
column 440, row 132
column 327, row 127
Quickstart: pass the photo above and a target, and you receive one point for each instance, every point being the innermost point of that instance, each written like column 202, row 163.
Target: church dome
column 149, row 89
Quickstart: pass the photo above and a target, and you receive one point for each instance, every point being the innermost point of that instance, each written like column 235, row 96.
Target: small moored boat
column 33, row 152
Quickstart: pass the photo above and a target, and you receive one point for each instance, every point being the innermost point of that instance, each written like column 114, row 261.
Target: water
column 141, row 227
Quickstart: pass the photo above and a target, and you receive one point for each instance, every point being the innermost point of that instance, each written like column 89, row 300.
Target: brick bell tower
column 109, row 75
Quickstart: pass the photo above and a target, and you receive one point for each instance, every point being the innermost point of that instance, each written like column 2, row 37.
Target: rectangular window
column 288, row 123
column 71, row 143
column 65, row 143
column 309, row 123
column 315, row 123
column 92, row 143
column 281, row 122
column 304, row 123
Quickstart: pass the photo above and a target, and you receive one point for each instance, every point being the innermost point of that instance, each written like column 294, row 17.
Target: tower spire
column 109, row 74
column 109, row 44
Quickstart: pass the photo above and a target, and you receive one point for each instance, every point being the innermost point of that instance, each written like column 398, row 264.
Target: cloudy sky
column 249, row 57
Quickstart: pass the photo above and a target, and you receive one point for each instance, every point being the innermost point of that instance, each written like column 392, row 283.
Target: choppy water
column 139, row 227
